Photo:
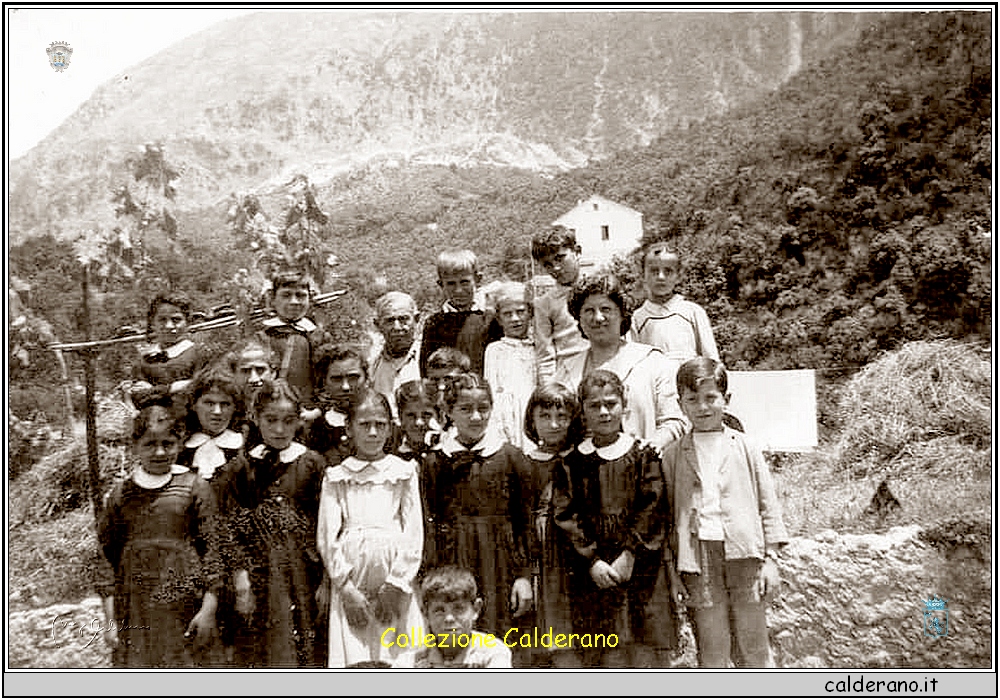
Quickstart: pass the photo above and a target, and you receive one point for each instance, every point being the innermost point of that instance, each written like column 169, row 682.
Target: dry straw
column 925, row 390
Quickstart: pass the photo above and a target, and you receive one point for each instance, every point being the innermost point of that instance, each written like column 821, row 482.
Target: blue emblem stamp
column 936, row 617
column 59, row 53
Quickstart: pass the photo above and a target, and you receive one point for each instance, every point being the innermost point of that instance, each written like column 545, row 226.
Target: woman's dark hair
column 178, row 300
column 209, row 379
column 605, row 284
column 554, row 395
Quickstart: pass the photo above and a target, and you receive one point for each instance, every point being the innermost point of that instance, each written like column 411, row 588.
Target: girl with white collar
column 157, row 534
column 608, row 500
column 371, row 537
column 475, row 512
column 269, row 499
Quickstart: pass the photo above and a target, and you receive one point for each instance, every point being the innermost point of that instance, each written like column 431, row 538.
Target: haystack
column 925, row 391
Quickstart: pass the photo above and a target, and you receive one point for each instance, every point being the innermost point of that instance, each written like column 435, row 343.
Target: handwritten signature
column 95, row 628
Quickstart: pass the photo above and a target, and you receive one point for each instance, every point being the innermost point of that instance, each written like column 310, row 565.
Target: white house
column 603, row 229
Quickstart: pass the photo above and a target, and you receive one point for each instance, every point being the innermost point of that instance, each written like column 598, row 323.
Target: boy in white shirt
column 725, row 524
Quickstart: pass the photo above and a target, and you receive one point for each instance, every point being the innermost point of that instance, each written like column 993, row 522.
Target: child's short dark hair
column 465, row 382
column 554, row 395
column 693, row 373
column 368, row 397
column 449, row 584
column 605, row 284
column 599, row 379
column 275, row 390
column 552, row 240
column 291, row 278
column 423, row 390
column 173, row 299
column 660, row 249
column 206, row 380
column 157, row 413
column 449, row 358
column 336, row 352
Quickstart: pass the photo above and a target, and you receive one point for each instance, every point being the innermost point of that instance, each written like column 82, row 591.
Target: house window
column 605, row 233
column 595, row 206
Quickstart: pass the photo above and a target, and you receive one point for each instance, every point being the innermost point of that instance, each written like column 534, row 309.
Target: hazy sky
column 105, row 42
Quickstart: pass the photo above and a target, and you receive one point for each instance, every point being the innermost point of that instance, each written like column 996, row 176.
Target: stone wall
column 856, row 601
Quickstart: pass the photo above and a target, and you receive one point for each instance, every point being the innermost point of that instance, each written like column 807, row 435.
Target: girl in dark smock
column 158, row 535
column 475, row 513
column 270, row 499
column 608, row 500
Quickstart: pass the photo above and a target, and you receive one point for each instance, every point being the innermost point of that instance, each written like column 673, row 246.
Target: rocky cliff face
column 256, row 98
column 857, row 601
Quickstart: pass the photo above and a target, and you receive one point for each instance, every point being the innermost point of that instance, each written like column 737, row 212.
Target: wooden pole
column 67, row 396
column 93, row 458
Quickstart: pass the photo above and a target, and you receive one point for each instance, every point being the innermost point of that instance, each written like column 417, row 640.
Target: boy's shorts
column 721, row 581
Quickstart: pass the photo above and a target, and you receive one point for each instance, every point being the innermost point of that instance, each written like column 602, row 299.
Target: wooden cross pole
column 93, row 457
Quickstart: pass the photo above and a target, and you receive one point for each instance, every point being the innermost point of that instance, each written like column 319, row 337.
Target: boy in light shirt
column 666, row 320
column 725, row 528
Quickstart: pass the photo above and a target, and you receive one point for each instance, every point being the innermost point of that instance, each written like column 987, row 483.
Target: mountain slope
column 252, row 100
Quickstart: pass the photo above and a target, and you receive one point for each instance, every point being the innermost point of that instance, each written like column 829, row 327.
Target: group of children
column 288, row 509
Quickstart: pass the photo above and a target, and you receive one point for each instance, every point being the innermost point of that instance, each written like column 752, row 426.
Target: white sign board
column 777, row 408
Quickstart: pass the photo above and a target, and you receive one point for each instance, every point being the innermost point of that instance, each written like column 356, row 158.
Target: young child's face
column 416, row 418
column 451, row 616
column 396, row 324
column 563, row 266
column 551, row 424
column 705, row 407
column 278, row 421
column 169, row 325
column 471, row 414
column 602, row 414
column 514, row 317
column 343, row 379
column 157, row 450
column 370, row 430
column 214, row 409
column 661, row 275
column 252, row 369
column 459, row 288
column 291, row 302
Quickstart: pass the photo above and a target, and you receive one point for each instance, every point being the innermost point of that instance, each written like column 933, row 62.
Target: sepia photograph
column 554, row 339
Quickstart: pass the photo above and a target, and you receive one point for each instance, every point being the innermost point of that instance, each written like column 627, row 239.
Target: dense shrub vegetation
column 843, row 215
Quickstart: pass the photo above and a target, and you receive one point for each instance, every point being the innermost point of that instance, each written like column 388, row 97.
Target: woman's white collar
column 618, row 448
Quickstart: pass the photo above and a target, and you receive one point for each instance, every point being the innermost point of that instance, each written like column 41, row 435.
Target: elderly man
column 396, row 319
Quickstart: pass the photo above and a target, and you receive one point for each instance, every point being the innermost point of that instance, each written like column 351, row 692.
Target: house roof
column 603, row 203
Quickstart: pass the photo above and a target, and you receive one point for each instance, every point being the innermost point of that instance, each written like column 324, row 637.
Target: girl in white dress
column 370, row 536
column 509, row 364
